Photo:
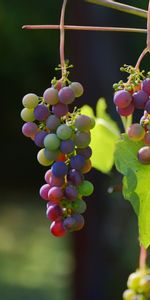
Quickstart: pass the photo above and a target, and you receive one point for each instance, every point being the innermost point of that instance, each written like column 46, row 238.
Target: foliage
column 104, row 136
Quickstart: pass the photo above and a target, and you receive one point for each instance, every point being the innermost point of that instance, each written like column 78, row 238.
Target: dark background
column 94, row 263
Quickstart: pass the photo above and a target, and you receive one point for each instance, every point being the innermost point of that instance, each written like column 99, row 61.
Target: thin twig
column 148, row 28
column 85, row 28
column 121, row 7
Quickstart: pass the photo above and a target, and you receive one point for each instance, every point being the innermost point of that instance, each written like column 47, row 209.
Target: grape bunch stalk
column 138, row 285
column 63, row 138
column 135, row 94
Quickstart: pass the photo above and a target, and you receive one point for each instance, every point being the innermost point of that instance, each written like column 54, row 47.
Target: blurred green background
column 92, row 264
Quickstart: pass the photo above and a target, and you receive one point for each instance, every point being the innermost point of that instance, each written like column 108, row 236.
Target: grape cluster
column 138, row 285
column 129, row 98
column 63, row 139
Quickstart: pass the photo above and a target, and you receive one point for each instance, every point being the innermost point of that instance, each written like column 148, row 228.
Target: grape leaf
column 136, row 183
column 103, row 137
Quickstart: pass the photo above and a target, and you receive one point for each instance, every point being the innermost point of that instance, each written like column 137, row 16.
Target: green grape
column 27, row 115
column 42, row 159
column 79, row 206
column 51, row 142
column 30, row 100
column 77, row 89
column 86, row 188
column 133, row 280
column 129, row 295
column 144, row 285
column 64, row 132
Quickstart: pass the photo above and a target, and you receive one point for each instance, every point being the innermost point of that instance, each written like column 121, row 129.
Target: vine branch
column 62, row 38
column 121, row 7
column 85, row 28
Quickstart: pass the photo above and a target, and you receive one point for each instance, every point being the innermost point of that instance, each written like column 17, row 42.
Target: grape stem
column 85, row 28
column 62, row 39
column 142, row 258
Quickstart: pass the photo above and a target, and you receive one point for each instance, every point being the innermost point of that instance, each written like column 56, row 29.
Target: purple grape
column 59, row 169
column 67, row 146
column 60, row 110
column 44, row 191
column 54, row 212
column 48, row 175
column 52, row 123
column 66, row 95
column 77, row 162
column 69, row 223
column 29, row 129
column 75, row 177
column 122, row 98
column 147, row 106
column 140, row 98
column 144, row 155
column 126, row 111
column 71, row 192
column 136, row 132
column 41, row 112
column 39, row 138
column 86, row 152
column 82, row 139
column 51, row 96
column 74, row 222
column 146, row 86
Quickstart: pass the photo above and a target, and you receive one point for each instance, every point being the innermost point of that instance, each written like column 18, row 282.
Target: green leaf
column 103, row 137
column 136, row 183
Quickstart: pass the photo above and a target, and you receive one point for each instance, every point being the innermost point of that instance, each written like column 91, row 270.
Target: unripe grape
column 64, row 132
column 82, row 139
column 144, row 285
column 86, row 188
column 84, row 123
column 87, row 166
column 129, row 295
column 133, row 280
column 122, row 99
column 79, row 206
column 51, row 96
column 42, row 159
column 77, row 88
column 27, row 115
column 136, row 132
column 30, row 100
column 52, row 122
column 51, row 142
column 66, row 95
column 144, row 155
column 51, row 155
